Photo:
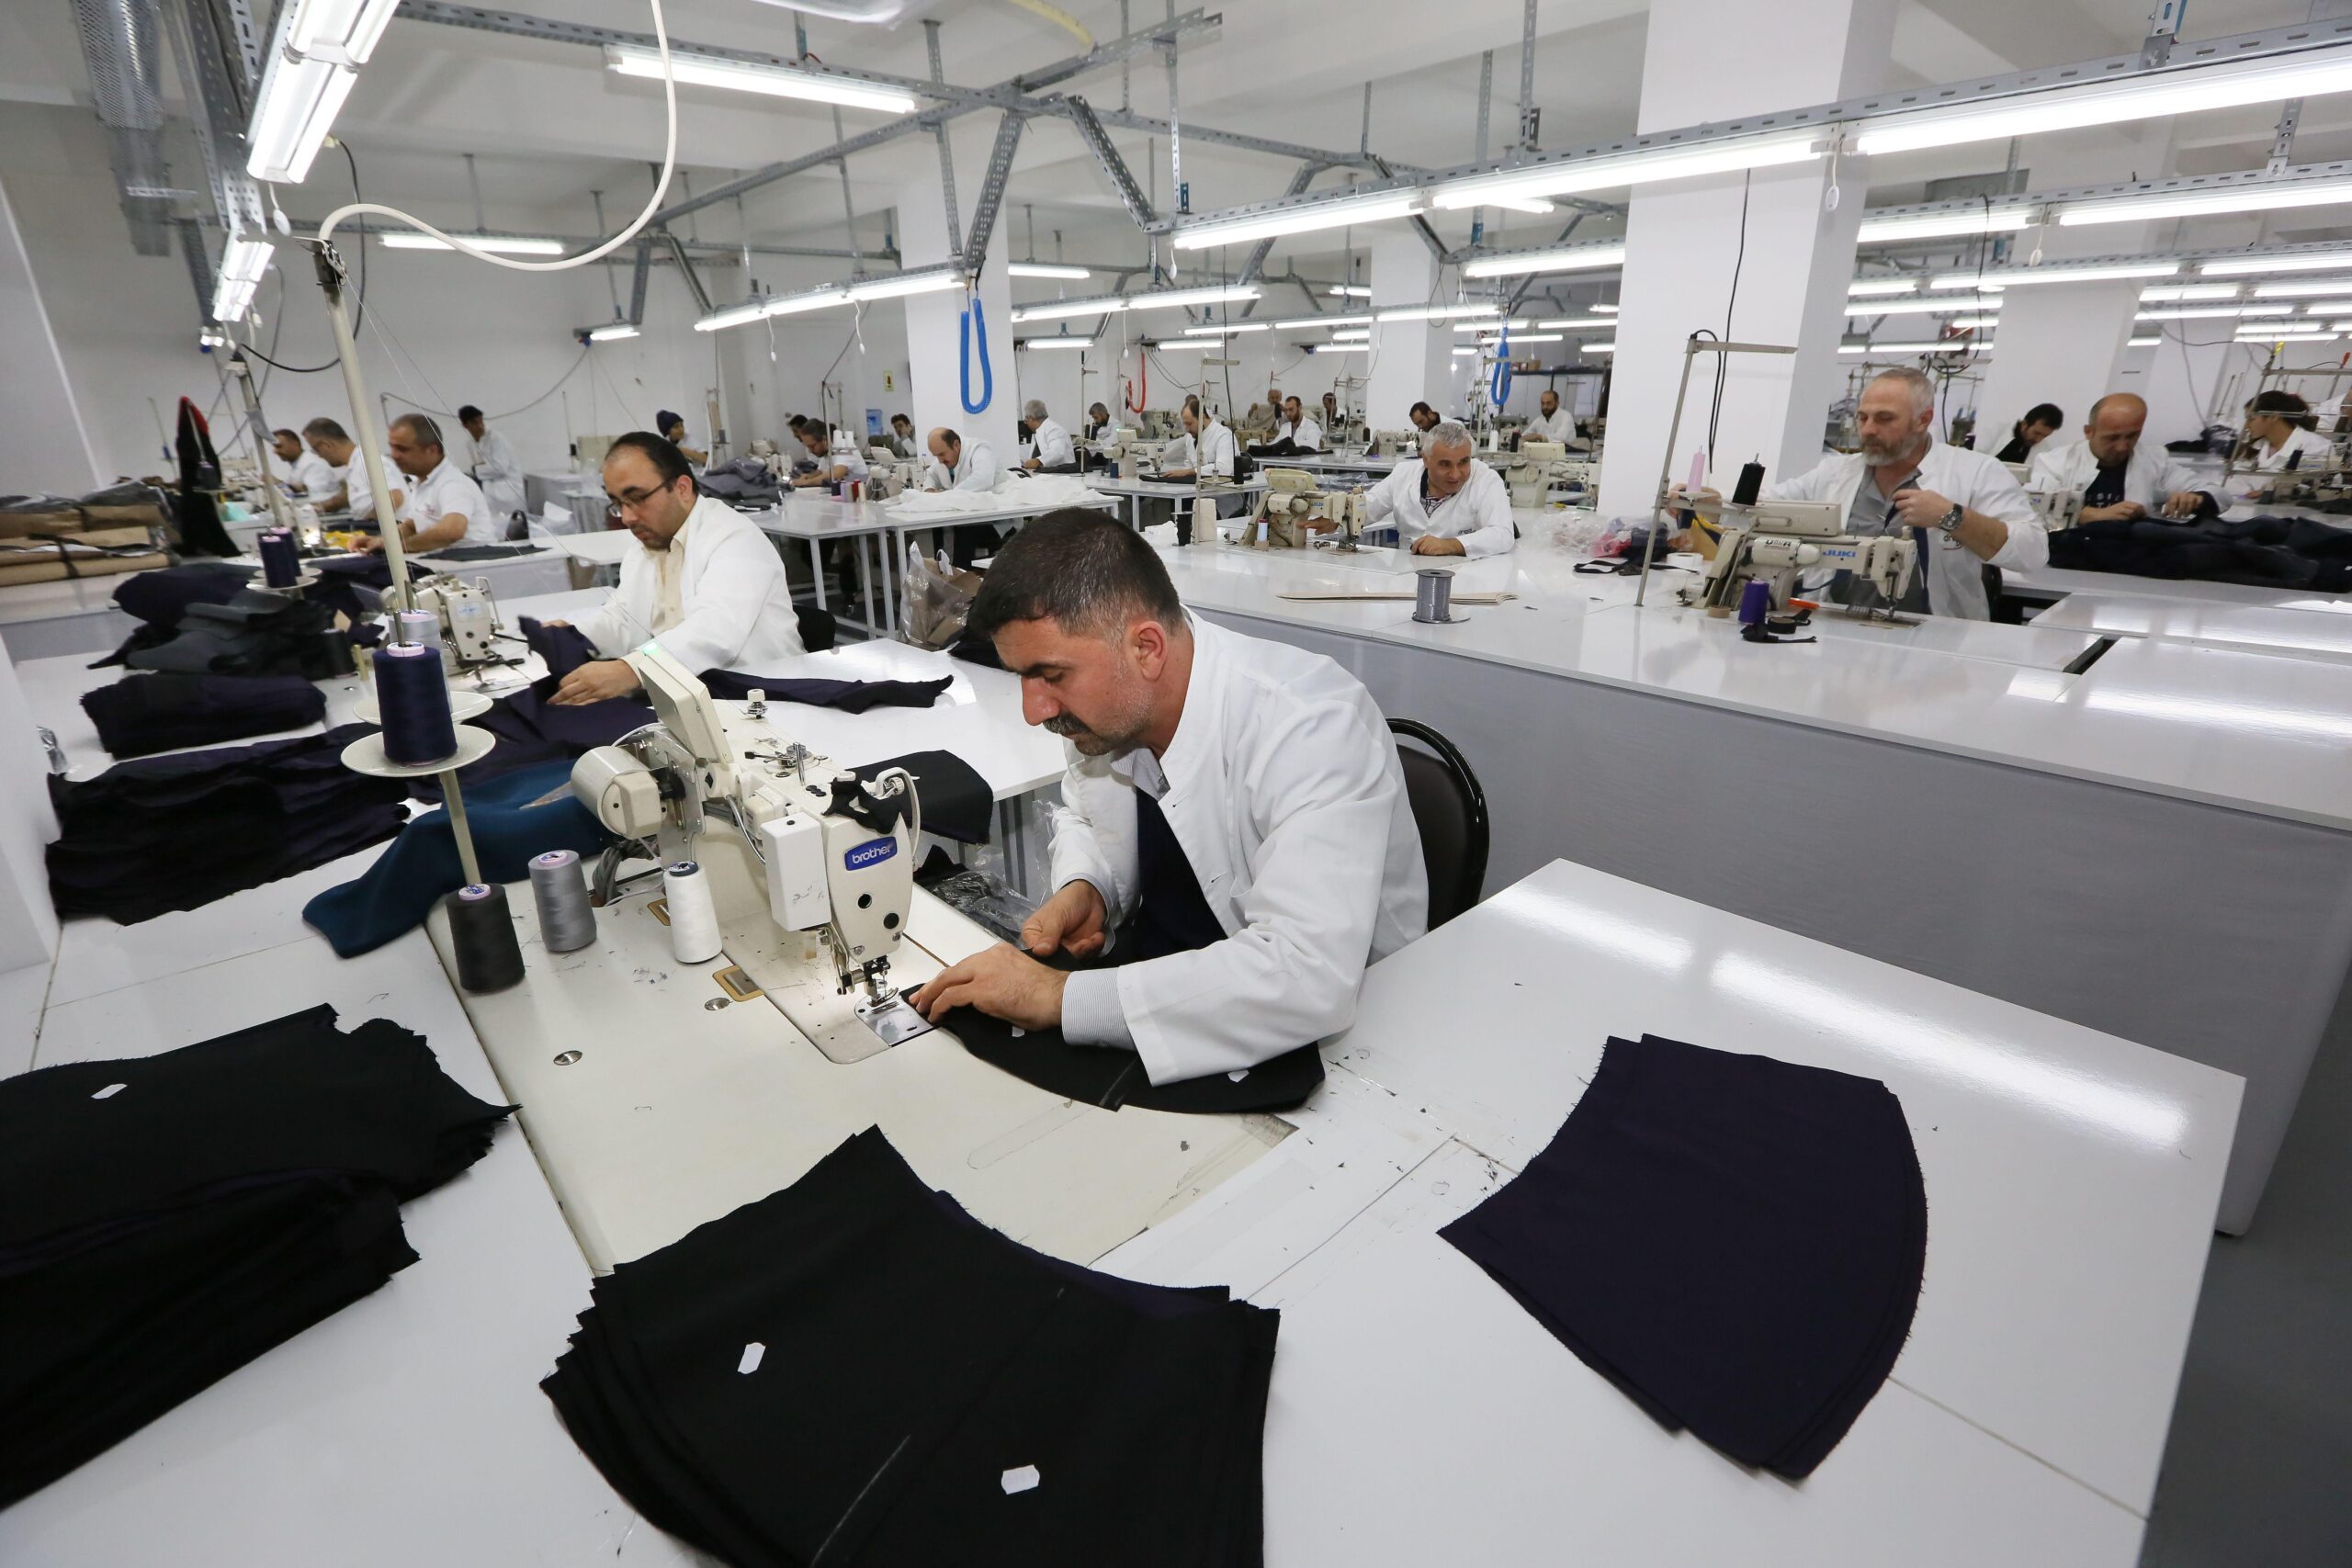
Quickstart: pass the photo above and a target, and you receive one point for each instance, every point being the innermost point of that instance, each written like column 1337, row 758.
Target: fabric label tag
column 1020, row 1478
column 750, row 1362
column 110, row 1091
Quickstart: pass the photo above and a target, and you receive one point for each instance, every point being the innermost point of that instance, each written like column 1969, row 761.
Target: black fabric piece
column 511, row 818
column 143, row 714
column 163, row 833
column 739, row 492
column 2017, row 450
column 161, row 597
column 461, row 553
column 819, row 629
column 253, row 633
column 164, row 1220
column 532, row 727
column 193, row 507
column 354, row 585
column 2263, row 552
column 913, row 1358
column 1736, row 1243
column 974, row 649
column 849, row 697
column 565, row 648
column 956, row 801
column 1171, row 914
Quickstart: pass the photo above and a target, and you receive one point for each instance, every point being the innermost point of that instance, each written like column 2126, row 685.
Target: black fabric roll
column 914, row 1366
column 1736, row 1243
column 140, row 715
column 849, row 697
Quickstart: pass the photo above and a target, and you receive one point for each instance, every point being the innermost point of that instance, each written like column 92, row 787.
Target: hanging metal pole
column 1364, row 138
column 849, row 208
column 244, row 372
column 612, row 284
column 1175, row 141
column 1527, row 110
column 946, row 159
column 332, row 278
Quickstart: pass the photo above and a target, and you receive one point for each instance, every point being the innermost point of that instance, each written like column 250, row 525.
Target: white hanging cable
column 653, row 203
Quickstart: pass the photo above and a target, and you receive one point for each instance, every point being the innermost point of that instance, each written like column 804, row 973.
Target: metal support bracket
column 992, row 202
column 2282, row 145
column 686, row 270
column 946, row 155
column 1089, row 126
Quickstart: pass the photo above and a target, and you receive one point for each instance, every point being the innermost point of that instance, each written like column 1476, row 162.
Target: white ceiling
column 548, row 124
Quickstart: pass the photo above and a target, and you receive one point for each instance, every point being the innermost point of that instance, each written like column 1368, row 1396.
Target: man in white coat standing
column 1234, row 826
column 2120, row 479
column 496, row 469
column 706, row 587
column 1446, row 502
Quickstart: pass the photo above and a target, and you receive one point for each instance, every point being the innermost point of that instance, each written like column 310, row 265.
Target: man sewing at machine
column 958, row 465
column 442, row 506
column 1549, row 424
column 1051, row 451
column 1446, row 502
column 1217, row 822
column 1964, row 510
column 1296, row 435
column 307, row 473
column 2120, row 479
column 836, row 459
column 704, row 581
column 1425, row 418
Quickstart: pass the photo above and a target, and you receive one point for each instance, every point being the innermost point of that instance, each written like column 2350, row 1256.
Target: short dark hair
column 467, row 412
column 951, row 438
column 906, row 419
column 2050, row 414
column 325, row 430
column 1086, row 570
column 664, row 418
column 660, row 451
column 1420, row 407
column 287, row 433
column 797, row 420
column 1193, row 406
column 421, row 428
column 2286, row 404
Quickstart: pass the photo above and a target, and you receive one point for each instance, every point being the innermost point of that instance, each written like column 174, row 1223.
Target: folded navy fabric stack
column 140, row 715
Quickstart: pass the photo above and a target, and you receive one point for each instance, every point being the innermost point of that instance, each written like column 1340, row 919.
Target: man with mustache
column 1234, row 826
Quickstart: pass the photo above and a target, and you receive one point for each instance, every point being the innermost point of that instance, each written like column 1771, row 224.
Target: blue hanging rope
column 974, row 324
column 1499, row 387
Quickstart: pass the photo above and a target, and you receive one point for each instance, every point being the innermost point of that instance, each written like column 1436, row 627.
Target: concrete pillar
column 932, row 325
column 41, row 437
column 1685, row 255
column 1410, row 362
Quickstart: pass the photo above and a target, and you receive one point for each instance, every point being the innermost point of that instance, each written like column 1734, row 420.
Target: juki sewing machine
column 2058, row 508
column 1778, row 542
column 1293, row 513
column 1140, row 459
column 468, row 615
column 812, row 870
column 1396, row 442
column 1541, row 466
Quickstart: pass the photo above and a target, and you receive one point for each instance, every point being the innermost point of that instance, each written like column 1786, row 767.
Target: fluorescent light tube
column 2213, row 312
column 733, row 316
column 2144, row 343
column 1631, row 168
column 1972, row 323
column 775, row 81
column 2146, row 95
column 1234, row 331
column 610, row 333
column 1460, row 352
column 2191, row 292
column 1871, row 288
column 1043, row 269
column 2012, row 278
column 243, row 260
column 506, row 245
column 2000, row 220
column 295, row 109
column 1167, row 298
column 1316, row 324
column 1530, row 337
column 1947, row 345
column 1596, row 348
column 815, row 299
column 1950, row 305
column 1164, row 344
column 1054, row 343
column 1569, row 258
column 1350, row 291
column 1379, row 208
column 1047, row 309
column 2245, row 336
column 1577, row 324
column 1514, row 323
column 348, row 29
column 2276, row 197
column 2302, row 290
column 1608, row 309
column 1435, row 312
column 1340, row 348
column 905, row 283
column 2240, row 266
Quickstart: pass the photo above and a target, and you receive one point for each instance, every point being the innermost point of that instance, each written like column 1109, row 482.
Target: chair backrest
column 1449, row 809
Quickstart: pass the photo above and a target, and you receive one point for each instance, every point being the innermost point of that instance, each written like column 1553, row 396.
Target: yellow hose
column 1060, row 19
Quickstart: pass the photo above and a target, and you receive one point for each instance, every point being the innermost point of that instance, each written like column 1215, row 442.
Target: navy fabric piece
column 1736, row 1243
column 565, row 648
column 2263, row 552
column 975, row 650
column 163, row 833
column 533, row 728
column 956, row 801
column 193, row 505
column 161, row 597
column 394, row 895
column 913, row 1357
column 849, row 697
column 143, row 714
column 1172, row 915
column 461, row 553
column 252, row 633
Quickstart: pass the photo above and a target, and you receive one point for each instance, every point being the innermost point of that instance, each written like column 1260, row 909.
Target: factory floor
column 2258, row 1469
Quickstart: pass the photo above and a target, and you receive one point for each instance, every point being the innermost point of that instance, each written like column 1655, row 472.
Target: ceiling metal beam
column 2041, row 201
column 992, row 202
column 1082, row 120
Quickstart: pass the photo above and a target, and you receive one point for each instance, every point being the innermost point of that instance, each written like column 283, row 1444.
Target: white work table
column 1138, row 490
column 2159, row 847
column 72, row 614
column 2320, row 630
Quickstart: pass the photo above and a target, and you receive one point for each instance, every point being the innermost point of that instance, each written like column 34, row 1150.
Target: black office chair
column 1449, row 809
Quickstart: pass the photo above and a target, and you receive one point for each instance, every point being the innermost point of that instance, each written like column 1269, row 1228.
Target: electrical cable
column 1731, row 304
column 359, row 302
column 510, row 414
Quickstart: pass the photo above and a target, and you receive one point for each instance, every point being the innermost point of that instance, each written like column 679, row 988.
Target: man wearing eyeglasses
column 705, row 583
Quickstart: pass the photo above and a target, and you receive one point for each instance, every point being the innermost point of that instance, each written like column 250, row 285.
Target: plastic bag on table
column 938, row 597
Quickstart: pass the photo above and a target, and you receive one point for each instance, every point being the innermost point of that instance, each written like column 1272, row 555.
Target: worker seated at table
column 1234, row 831
column 1551, row 422
column 1297, row 435
column 837, row 460
column 1331, row 420
column 1210, row 448
column 1098, row 422
column 704, row 583
column 308, row 475
column 496, row 469
column 901, row 439
column 2277, row 439
column 956, row 464
column 2040, row 423
column 1051, row 451
column 1446, row 502
column 1425, row 418
column 341, row 453
column 674, row 430
column 2122, row 479
column 1964, row 510
column 442, row 506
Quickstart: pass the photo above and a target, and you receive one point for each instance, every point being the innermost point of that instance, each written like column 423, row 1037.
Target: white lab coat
column 1478, row 514
column 2314, row 447
column 736, row 611
column 1212, row 450
column 976, row 468
column 500, row 474
column 447, row 491
column 1305, row 434
column 1051, row 446
column 1560, row 427
column 361, row 496
column 1976, row 480
column 1281, row 781
column 2152, row 478
column 317, row 477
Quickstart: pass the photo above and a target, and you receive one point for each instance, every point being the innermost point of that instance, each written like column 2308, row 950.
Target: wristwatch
column 1951, row 520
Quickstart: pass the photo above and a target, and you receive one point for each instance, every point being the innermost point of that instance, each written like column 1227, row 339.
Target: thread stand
column 366, row 755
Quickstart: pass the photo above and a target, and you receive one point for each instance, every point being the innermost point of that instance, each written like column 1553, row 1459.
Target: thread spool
column 1755, row 602
column 1187, row 520
column 416, row 627
column 282, row 558
column 482, row 934
column 1750, row 486
column 1433, row 594
column 413, row 701
column 558, row 887
column 693, row 920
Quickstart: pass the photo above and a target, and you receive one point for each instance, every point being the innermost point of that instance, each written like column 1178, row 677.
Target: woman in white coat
column 707, row 586
column 1234, row 815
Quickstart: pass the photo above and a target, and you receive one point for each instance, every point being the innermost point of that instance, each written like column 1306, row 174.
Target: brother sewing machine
column 812, row 870
column 1778, row 542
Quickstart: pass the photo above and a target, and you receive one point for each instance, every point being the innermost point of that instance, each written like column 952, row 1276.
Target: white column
column 2058, row 342
column 1410, row 362
column 27, row 919
column 933, row 323
column 42, row 442
column 1685, row 255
